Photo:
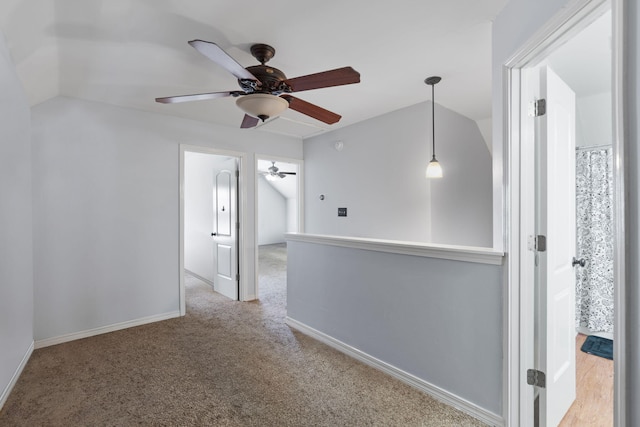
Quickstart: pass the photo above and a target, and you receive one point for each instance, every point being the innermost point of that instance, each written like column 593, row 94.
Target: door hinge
column 237, row 277
column 237, row 174
column 536, row 378
column 538, row 108
column 537, row 243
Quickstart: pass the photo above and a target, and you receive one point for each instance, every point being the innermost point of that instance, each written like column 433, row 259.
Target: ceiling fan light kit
column 265, row 90
column 434, row 170
column 262, row 105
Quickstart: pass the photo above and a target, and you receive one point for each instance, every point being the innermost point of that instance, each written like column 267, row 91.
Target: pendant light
column 434, row 170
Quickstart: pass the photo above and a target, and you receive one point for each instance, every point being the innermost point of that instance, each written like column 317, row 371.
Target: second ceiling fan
column 274, row 172
column 265, row 90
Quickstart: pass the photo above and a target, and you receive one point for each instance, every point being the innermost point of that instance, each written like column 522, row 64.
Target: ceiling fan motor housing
column 271, row 79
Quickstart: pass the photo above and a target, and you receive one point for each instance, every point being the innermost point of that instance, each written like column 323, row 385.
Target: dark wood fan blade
column 222, row 58
column 194, row 97
column 249, row 122
column 288, row 173
column 337, row 77
column 312, row 110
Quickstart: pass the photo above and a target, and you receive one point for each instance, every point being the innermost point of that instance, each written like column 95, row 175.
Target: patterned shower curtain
column 594, row 209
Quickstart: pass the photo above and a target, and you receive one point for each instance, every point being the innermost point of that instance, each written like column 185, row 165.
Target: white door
column 225, row 230
column 555, row 219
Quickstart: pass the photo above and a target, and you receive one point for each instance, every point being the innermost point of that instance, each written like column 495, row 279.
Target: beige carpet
column 225, row 363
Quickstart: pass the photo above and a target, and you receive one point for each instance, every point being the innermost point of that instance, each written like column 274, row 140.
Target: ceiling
column 128, row 52
column 584, row 61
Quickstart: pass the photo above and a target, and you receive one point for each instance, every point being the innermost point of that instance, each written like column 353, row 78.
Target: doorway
column 211, row 221
column 278, row 211
column 551, row 48
column 575, row 286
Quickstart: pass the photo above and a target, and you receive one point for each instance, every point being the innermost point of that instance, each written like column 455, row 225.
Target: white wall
column 593, row 120
column 380, row 177
column 461, row 200
column 16, row 248
column 106, row 226
column 199, row 176
column 272, row 214
column 292, row 215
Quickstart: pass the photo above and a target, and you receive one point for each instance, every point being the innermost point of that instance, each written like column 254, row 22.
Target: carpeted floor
column 225, row 363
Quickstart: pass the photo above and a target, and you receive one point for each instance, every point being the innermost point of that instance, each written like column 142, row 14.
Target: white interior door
column 225, row 230
column 555, row 191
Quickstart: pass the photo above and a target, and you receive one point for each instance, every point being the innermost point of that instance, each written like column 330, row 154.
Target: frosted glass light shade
column 262, row 105
column 270, row 177
column 434, row 170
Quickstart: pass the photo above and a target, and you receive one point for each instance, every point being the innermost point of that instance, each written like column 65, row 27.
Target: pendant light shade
column 434, row 170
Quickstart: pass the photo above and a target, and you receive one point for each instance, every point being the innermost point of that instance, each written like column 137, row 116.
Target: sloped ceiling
column 128, row 52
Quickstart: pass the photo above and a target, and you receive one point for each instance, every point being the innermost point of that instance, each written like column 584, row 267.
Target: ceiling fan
column 265, row 90
column 274, row 172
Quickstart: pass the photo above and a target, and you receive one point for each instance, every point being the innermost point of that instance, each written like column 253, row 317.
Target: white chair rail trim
column 455, row 253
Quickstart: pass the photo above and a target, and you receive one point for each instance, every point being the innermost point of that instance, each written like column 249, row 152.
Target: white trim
column 619, row 267
column 454, row 253
column 405, row 377
column 517, row 314
column 199, row 277
column 244, row 241
column 182, row 305
column 105, row 329
column 511, row 298
column 300, row 196
column 14, row 379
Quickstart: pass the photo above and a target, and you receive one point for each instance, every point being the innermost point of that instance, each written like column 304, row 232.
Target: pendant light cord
column 433, row 120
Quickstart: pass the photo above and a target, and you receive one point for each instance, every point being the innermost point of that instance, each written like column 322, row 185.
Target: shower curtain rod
column 594, row 147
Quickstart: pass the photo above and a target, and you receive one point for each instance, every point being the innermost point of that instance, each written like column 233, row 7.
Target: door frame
column 243, row 268
column 519, row 212
column 300, row 196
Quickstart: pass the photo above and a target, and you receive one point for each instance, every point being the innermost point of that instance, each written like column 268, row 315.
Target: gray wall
column 380, row 177
column 516, row 23
column 439, row 320
column 16, row 248
column 106, row 226
column 272, row 214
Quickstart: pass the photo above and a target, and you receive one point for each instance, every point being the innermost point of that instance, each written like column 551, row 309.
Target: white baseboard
column 428, row 388
column 585, row 331
column 199, row 277
column 104, row 329
column 7, row 390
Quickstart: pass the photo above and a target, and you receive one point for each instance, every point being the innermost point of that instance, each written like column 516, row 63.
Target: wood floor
column 594, row 397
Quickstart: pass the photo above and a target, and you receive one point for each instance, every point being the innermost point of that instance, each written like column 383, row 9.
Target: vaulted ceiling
column 128, row 52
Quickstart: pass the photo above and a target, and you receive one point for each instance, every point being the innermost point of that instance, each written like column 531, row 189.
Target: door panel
column 224, row 261
column 555, row 194
column 226, row 230
column 223, row 203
